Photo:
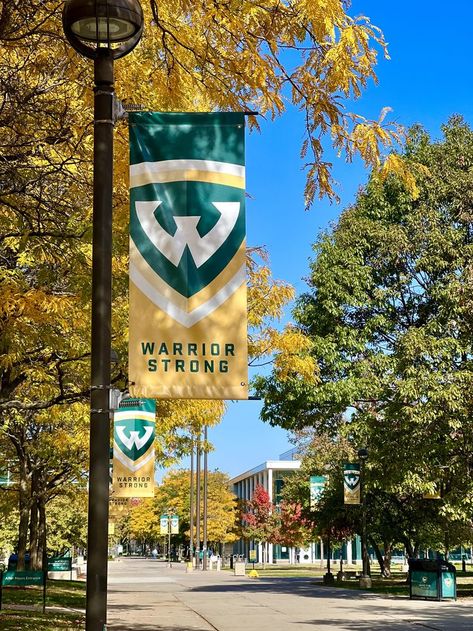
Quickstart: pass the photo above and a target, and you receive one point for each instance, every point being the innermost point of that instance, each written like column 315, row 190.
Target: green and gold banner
column 118, row 507
column 133, row 448
column 188, row 322
column 317, row 486
column 351, row 483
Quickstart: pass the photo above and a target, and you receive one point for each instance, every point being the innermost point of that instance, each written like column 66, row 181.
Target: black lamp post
column 365, row 579
column 102, row 30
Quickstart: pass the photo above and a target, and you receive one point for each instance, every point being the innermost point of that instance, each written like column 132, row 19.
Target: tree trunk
column 42, row 530
column 387, row 557
column 379, row 556
column 409, row 549
column 447, row 546
column 35, row 559
column 24, row 510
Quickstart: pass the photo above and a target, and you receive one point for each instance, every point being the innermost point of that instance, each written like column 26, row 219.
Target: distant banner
column 351, row 483
column 434, row 494
column 164, row 524
column 188, row 320
column 118, row 507
column 174, row 524
column 317, row 485
column 133, row 448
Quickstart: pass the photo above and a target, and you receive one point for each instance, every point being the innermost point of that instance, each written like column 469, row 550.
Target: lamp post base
column 329, row 578
column 365, row 582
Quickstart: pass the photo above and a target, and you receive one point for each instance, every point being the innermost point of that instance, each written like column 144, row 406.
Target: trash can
column 432, row 579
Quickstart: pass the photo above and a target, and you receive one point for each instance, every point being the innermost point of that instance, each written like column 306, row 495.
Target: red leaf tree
column 265, row 523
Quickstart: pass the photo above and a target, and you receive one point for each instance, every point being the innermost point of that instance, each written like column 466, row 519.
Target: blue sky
column 429, row 78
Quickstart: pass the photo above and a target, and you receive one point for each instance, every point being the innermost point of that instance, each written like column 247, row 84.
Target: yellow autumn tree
column 237, row 55
column 173, row 494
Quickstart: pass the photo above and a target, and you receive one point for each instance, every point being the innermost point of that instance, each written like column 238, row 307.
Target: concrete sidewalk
column 145, row 595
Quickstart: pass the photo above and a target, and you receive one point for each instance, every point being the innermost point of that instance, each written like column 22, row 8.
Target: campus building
column 271, row 475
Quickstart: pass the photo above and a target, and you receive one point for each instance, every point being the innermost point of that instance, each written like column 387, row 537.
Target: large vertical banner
column 188, row 322
column 133, row 448
column 351, row 483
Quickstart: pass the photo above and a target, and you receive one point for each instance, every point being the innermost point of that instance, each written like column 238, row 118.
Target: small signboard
column 60, row 564
column 252, row 556
column 26, row 577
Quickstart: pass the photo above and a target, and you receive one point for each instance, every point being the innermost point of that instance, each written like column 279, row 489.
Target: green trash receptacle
column 432, row 579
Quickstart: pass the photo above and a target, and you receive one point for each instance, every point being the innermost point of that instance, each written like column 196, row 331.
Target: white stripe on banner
column 130, row 464
column 151, row 169
column 183, row 317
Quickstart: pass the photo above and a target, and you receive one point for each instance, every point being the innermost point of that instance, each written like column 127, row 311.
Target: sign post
column 169, row 525
column 252, row 557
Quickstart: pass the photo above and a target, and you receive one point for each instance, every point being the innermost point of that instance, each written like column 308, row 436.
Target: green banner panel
column 317, row 485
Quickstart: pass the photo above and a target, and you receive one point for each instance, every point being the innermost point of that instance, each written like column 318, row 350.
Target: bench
column 347, row 575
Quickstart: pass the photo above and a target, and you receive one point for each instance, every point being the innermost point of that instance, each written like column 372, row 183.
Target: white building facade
column 271, row 476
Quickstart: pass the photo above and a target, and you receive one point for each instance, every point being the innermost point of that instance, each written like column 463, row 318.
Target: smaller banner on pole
column 118, row 506
column 174, row 524
column 133, row 448
column 351, row 482
column 164, row 524
column 317, row 485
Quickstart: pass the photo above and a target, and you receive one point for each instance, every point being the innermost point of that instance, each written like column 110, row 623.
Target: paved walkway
column 145, row 595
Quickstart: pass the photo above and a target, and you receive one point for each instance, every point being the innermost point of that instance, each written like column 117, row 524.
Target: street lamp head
column 363, row 454
column 93, row 25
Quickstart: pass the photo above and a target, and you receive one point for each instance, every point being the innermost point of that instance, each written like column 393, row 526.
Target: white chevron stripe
column 130, row 464
column 164, row 166
column 185, row 318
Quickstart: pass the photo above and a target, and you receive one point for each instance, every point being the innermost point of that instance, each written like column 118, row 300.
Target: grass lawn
column 11, row 620
column 68, row 594
column 283, row 571
column 396, row 585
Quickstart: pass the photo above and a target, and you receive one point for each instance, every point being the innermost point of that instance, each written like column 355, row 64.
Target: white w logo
column 352, row 480
column 134, row 438
column 173, row 246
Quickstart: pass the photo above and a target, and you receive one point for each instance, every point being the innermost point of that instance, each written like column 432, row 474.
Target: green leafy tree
column 67, row 519
column 389, row 316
